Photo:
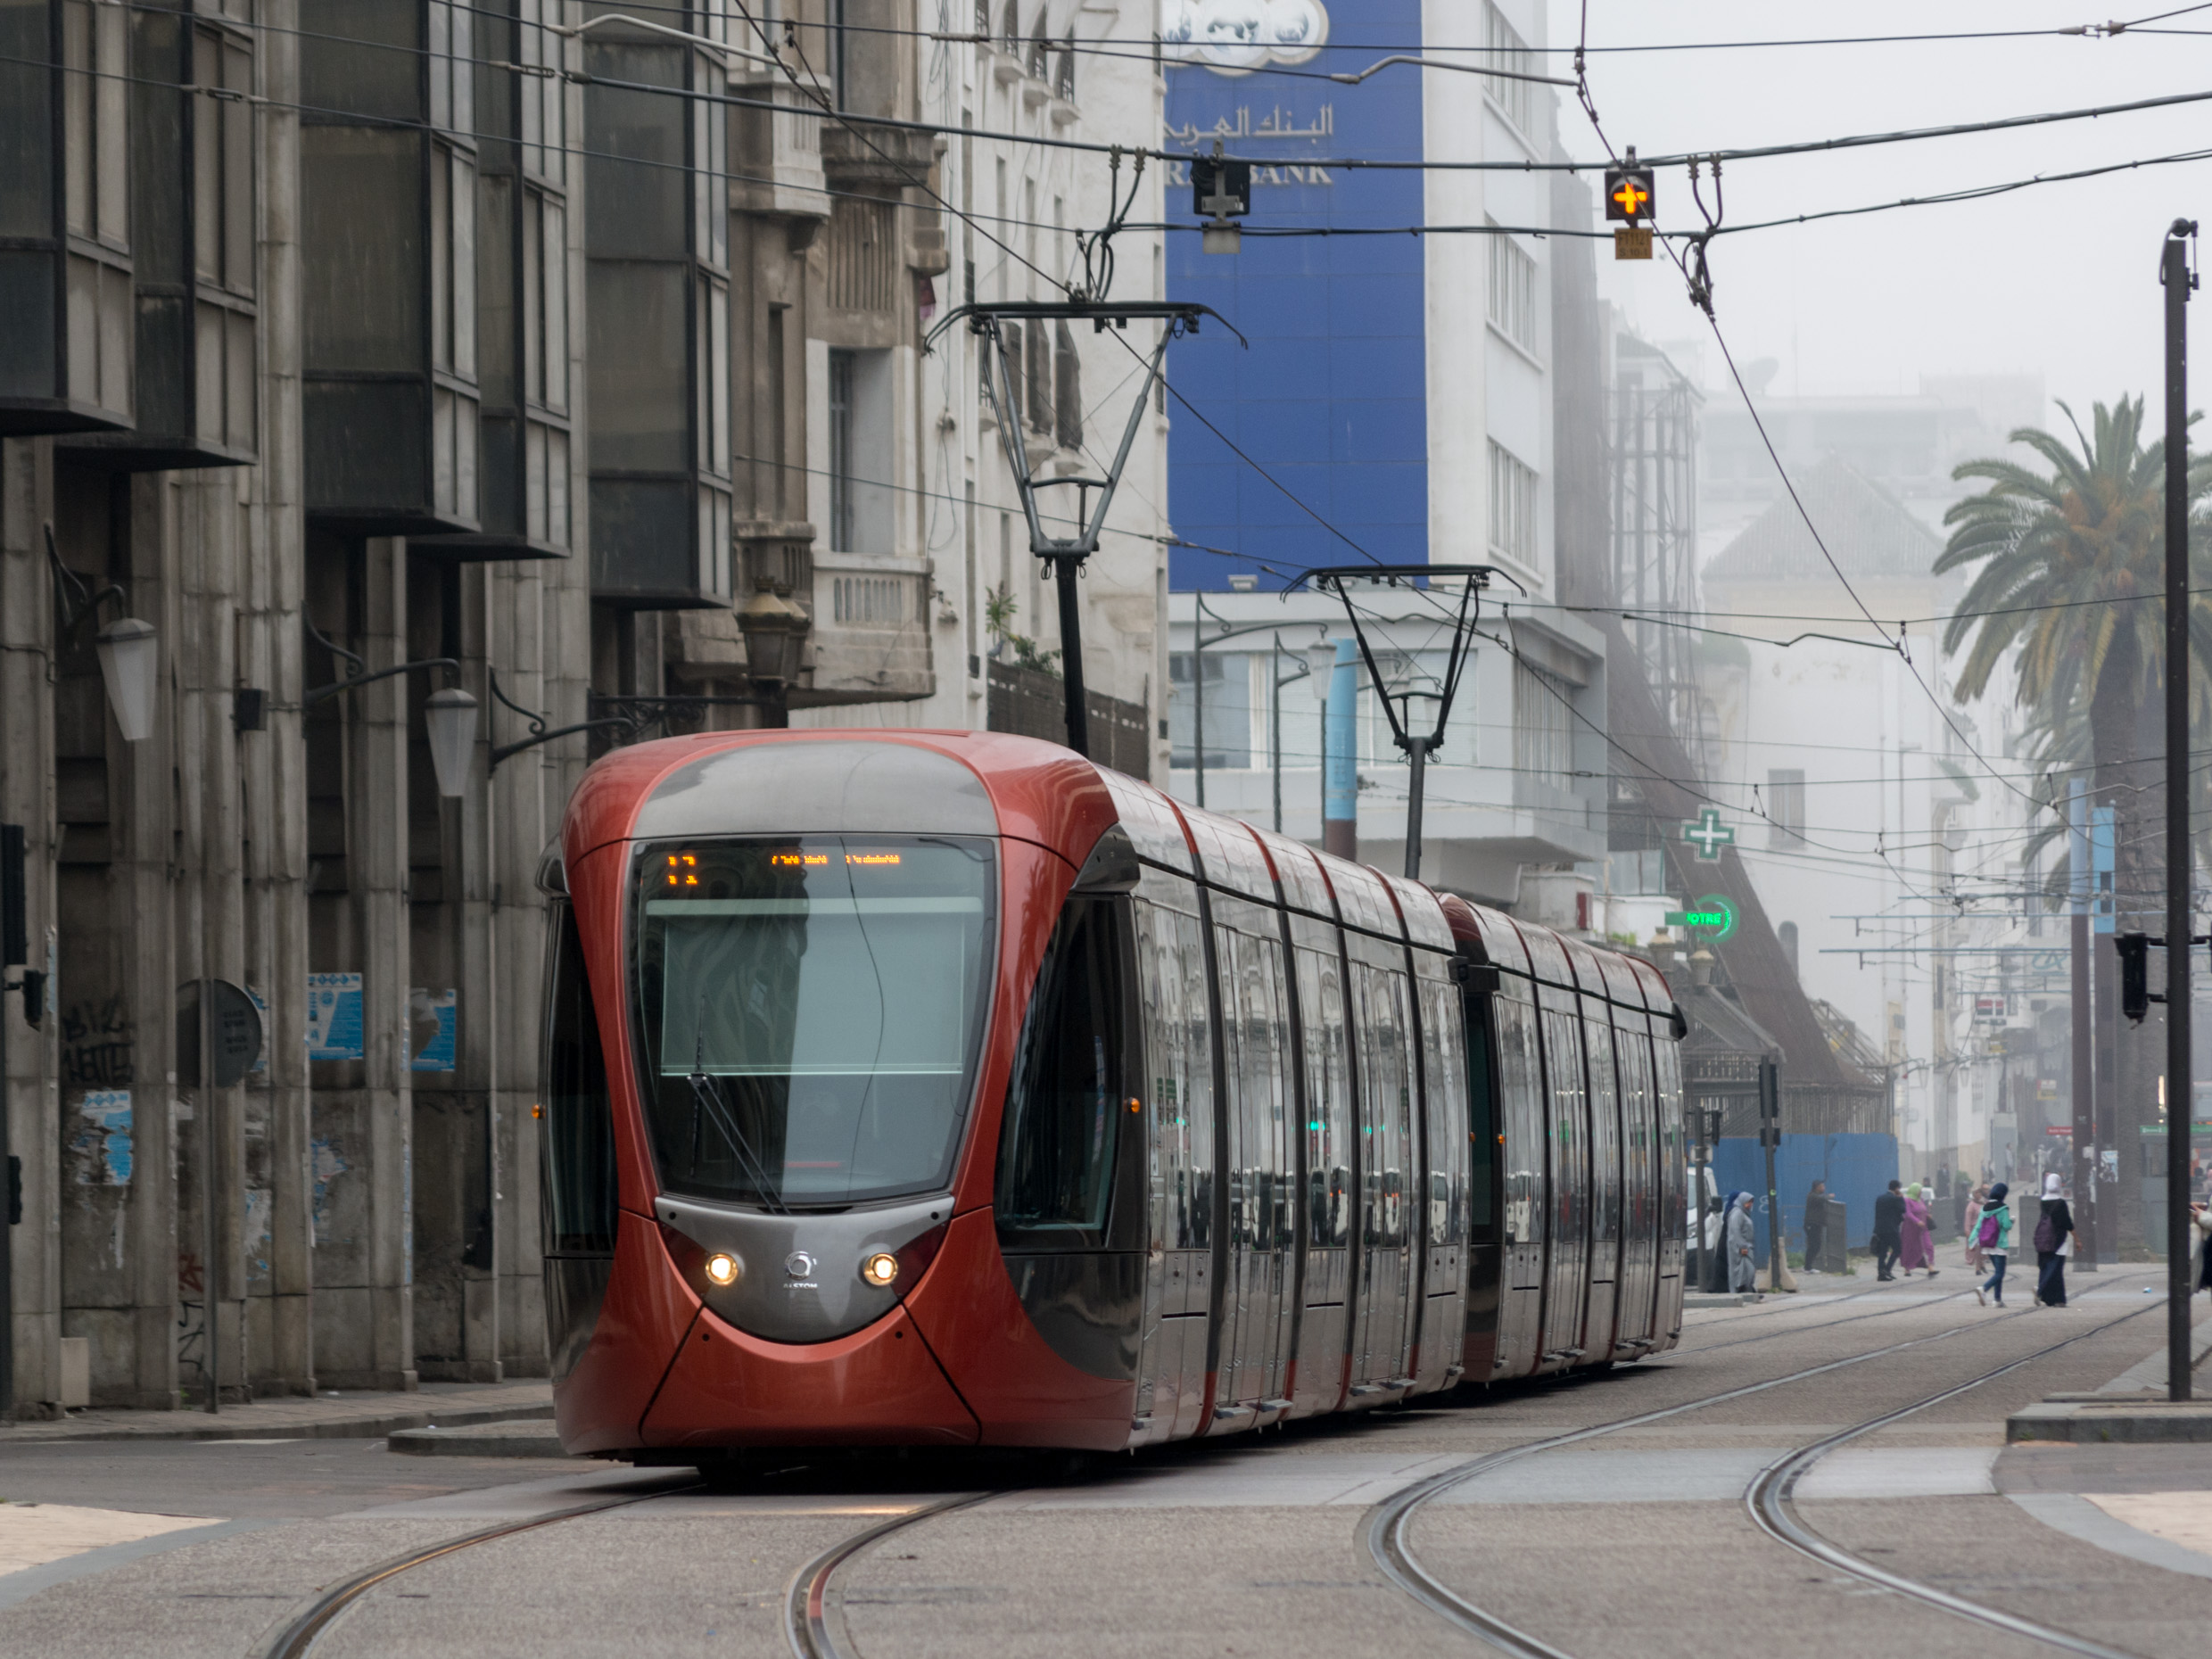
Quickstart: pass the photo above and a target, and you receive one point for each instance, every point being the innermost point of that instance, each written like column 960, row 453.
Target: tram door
column 1179, row 1157
column 1526, row 1184
column 1383, row 1021
column 1639, row 1198
column 1258, row 1160
column 1673, row 1181
column 1604, row 1182
column 1443, row 1219
column 1329, row 1194
column 1567, row 1281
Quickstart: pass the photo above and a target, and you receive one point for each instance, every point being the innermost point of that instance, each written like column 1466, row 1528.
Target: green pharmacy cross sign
column 1712, row 913
column 1708, row 835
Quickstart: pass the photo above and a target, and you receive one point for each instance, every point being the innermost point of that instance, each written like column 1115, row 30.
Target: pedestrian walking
column 1743, row 1267
column 1815, row 1226
column 1716, row 1223
column 2054, row 1242
column 1972, row 1203
column 1993, row 1231
column 1915, row 1242
column 1889, row 1217
column 2201, row 1217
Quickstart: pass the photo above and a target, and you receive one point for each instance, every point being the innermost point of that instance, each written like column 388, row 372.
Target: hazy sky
column 2061, row 278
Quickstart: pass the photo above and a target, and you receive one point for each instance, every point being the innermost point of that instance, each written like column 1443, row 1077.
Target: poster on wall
column 334, row 1016
column 104, row 1140
column 430, row 1029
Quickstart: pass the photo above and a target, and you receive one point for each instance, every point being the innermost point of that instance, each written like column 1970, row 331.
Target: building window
column 1513, row 291
column 1504, row 49
column 1228, row 709
column 862, row 517
column 1786, row 807
column 841, row 451
column 1787, row 934
column 1512, row 508
column 1543, row 723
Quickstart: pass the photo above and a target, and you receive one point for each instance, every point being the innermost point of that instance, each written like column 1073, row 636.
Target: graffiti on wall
column 95, row 1045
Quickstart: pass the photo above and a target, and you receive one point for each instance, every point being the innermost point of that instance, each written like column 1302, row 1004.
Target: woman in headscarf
column 1993, row 1231
column 2053, row 1243
column 1915, row 1248
column 1716, row 1275
column 1743, row 1269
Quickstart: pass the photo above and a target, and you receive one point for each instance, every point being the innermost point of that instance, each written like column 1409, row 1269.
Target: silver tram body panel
column 1318, row 1054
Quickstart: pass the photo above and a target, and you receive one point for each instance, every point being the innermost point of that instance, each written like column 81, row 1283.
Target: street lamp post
column 2174, row 272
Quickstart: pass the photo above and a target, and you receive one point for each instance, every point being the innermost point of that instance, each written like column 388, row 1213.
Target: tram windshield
column 811, row 1011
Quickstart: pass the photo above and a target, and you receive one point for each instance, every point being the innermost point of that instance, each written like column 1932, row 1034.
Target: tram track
column 1769, row 1499
column 308, row 1628
column 1386, row 1536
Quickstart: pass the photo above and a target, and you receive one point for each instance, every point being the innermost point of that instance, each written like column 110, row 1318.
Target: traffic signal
column 2134, row 949
column 1629, row 196
column 1220, row 189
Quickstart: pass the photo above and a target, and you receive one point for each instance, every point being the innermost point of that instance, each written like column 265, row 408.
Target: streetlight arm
column 78, row 597
column 507, row 750
column 317, row 694
column 363, row 675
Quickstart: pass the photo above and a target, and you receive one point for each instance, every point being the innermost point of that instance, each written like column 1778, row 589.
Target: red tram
column 946, row 1088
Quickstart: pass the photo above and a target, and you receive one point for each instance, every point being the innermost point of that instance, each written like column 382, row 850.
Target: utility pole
column 2083, row 1045
column 1770, row 1138
column 2180, row 1091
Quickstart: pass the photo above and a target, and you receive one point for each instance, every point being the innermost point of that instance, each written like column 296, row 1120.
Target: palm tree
column 2069, row 569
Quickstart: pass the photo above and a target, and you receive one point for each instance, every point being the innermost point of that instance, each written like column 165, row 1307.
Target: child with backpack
column 1993, row 1232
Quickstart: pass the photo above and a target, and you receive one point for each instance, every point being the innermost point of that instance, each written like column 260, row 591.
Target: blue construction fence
column 1857, row 1167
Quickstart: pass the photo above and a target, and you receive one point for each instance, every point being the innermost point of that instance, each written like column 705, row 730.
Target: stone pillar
column 275, row 759
column 29, row 1094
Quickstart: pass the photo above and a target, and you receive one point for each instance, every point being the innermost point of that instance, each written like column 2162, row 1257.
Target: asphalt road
column 1638, row 1540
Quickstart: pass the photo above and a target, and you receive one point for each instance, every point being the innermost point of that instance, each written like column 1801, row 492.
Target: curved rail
column 1386, row 1535
column 298, row 1638
column 805, row 1609
column 1769, row 1498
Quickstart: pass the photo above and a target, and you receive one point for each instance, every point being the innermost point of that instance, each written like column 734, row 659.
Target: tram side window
column 1063, row 1118
column 1523, row 1119
column 579, row 1139
column 1328, row 1099
column 1482, row 1129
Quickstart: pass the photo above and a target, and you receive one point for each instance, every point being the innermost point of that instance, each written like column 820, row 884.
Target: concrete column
column 363, row 1293
column 28, row 1092
column 275, row 759
column 142, row 905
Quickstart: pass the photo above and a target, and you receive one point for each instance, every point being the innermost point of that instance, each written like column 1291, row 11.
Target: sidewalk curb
column 355, row 1428
column 509, row 1438
column 2132, row 1422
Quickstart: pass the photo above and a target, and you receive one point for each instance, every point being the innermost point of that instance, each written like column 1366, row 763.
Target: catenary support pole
column 1770, row 1138
column 2180, row 1094
column 2084, row 1043
column 1198, row 693
column 1339, row 801
column 1274, row 725
column 1065, row 572
column 1417, row 765
column 211, row 1269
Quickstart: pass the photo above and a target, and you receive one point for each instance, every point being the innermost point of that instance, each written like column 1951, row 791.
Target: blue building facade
column 1331, row 398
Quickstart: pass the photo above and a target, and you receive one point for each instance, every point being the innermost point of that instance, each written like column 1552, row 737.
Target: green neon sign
column 1711, row 914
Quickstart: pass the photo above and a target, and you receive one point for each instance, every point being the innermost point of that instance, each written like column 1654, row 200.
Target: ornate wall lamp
column 130, row 650
column 449, row 715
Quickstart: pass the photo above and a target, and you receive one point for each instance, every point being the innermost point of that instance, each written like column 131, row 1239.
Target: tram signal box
column 1629, row 198
column 1630, row 204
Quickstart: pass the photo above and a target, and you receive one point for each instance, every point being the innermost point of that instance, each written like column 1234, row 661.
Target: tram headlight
column 880, row 1270
column 722, row 1268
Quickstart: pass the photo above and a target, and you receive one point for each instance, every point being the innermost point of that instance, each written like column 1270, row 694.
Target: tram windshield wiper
column 707, row 1102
